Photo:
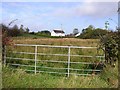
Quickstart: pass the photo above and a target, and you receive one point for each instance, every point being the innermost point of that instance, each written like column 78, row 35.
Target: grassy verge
column 20, row 79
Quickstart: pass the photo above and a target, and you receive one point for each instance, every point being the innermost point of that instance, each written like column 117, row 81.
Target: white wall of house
column 77, row 35
column 57, row 34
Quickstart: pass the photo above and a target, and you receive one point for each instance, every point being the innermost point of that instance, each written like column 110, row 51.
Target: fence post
column 4, row 55
column 68, row 61
column 35, row 57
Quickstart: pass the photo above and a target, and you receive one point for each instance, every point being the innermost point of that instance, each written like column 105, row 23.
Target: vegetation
column 75, row 31
column 53, row 51
column 20, row 79
column 44, row 33
column 110, row 43
column 91, row 33
column 108, row 40
column 57, row 41
column 107, row 78
column 6, row 40
column 10, row 32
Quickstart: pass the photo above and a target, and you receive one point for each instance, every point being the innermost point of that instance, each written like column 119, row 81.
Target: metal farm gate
column 55, row 59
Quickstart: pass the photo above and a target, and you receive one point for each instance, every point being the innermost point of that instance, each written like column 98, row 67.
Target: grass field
column 20, row 79
column 57, row 41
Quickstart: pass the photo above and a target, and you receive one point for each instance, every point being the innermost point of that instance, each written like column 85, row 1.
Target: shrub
column 109, row 44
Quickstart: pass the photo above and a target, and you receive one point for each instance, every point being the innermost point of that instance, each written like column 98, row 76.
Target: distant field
column 57, row 41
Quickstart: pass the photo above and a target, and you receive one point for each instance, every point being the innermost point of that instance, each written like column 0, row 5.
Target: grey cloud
column 91, row 9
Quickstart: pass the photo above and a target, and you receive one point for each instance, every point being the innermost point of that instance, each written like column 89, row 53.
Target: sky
column 38, row 16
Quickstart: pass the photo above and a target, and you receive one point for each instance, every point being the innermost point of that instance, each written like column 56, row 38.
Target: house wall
column 57, row 34
column 77, row 35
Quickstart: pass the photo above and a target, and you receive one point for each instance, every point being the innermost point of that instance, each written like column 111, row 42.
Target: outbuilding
column 57, row 32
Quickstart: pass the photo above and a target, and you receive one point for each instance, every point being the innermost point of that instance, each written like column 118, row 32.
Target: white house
column 77, row 35
column 57, row 32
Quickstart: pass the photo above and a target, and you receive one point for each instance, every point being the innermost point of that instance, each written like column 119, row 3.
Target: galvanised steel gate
column 37, row 61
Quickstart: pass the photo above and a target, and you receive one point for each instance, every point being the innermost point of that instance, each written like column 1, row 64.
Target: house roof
column 58, row 31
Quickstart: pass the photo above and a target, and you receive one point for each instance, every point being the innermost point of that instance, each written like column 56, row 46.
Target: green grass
column 20, row 79
column 33, row 36
column 54, row 58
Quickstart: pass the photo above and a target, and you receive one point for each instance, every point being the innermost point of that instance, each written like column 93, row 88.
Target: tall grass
column 40, row 58
column 21, row 79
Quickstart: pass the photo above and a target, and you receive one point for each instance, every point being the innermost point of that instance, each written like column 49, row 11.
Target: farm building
column 57, row 32
column 78, row 34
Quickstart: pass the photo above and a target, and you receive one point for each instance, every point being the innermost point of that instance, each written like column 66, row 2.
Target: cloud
column 60, row 0
column 36, row 11
column 90, row 9
column 42, row 15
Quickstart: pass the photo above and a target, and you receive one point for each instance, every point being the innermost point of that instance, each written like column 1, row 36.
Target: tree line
column 88, row 33
column 93, row 33
column 14, row 31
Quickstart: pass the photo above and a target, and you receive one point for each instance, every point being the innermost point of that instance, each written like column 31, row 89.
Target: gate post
column 68, row 61
column 35, row 57
column 4, row 55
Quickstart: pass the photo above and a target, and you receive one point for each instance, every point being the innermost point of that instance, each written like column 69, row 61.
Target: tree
column 91, row 27
column 15, row 27
column 106, row 25
column 32, row 32
column 27, row 30
column 87, row 33
column 99, row 32
column 45, row 32
column 109, row 44
column 75, row 31
column 14, row 31
column 91, row 32
column 6, row 40
column 21, row 29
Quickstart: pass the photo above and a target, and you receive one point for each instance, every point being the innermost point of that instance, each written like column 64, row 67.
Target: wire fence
column 40, row 57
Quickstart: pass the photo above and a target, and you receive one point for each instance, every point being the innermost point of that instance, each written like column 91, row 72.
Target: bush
column 92, row 33
column 110, row 43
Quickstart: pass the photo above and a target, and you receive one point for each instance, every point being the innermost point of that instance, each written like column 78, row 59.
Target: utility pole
column 118, row 16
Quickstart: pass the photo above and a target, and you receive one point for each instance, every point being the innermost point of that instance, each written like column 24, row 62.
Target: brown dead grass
column 59, row 41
